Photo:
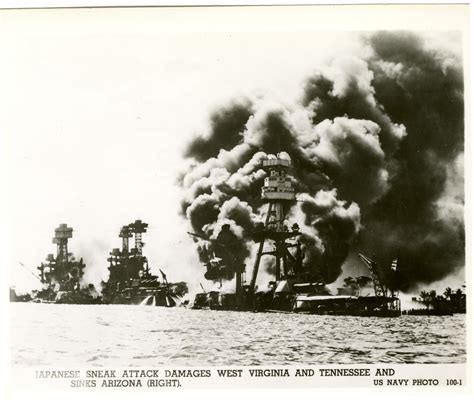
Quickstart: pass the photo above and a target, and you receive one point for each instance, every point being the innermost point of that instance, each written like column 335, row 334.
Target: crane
column 379, row 287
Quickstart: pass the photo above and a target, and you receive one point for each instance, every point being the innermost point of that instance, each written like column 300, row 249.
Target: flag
column 394, row 265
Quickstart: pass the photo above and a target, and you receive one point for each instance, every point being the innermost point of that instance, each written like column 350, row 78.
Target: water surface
column 133, row 336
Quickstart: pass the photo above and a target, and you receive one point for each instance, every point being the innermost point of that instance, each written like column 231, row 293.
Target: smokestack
column 125, row 234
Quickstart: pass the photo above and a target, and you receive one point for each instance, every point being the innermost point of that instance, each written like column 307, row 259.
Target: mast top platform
column 277, row 162
column 277, row 185
column 63, row 232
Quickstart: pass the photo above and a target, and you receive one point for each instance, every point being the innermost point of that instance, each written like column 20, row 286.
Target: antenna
column 278, row 142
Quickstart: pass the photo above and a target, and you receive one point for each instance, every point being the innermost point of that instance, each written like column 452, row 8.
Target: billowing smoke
column 225, row 188
column 376, row 145
column 424, row 90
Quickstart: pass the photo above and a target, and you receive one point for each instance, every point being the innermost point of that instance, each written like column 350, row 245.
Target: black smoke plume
column 376, row 144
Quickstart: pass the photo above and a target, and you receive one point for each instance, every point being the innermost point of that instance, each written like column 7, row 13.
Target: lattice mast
column 278, row 192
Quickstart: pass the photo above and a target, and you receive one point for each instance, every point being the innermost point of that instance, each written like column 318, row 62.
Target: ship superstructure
column 130, row 279
column 273, row 238
column 279, row 193
column 294, row 288
column 61, row 274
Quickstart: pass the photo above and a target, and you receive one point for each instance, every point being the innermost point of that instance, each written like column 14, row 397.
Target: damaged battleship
column 130, row 279
column 294, row 288
column 61, row 276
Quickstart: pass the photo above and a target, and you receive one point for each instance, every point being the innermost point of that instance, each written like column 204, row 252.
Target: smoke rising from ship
column 376, row 144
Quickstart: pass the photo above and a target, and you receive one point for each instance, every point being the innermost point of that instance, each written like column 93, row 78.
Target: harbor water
column 134, row 336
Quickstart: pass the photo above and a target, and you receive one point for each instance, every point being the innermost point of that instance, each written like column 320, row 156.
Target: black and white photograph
column 236, row 194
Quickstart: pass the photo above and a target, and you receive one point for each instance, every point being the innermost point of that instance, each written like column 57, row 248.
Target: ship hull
column 145, row 297
column 369, row 306
column 357, row 313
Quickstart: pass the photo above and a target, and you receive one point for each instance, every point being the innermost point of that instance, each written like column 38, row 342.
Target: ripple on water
column 140, row 336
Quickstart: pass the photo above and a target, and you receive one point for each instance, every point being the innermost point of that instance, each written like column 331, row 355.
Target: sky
column 97, row 114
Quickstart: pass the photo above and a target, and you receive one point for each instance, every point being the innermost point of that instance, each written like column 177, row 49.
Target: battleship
column 130, row 279
column 294, row 287
column 61, row 276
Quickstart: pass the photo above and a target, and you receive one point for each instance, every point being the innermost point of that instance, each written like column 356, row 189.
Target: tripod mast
column 278, row 192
